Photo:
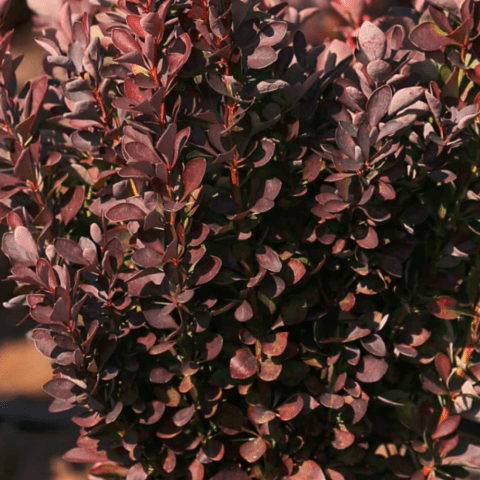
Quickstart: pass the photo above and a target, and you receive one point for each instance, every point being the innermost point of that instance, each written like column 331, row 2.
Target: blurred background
column 32, row 440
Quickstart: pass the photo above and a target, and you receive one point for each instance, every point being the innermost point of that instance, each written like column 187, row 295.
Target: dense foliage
column 248, row 257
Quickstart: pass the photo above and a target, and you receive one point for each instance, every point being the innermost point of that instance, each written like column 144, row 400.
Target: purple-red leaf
column 405, row 97
column 366, row 237
column 243, row 364
column 260, row 414
column 124, row 41
column 309, row 470
column 60, row 388
column 252, row 450
column 342, row 439
column 243, row 312
column 193, row 175
column 71, row 203
column 448, row 426
column 371, row 369
column 429, row 37
column 160, row 375
column 372, row 41
column 269, row 259
column 231, row 474
column 24, row 238
column 378, row 104
column 443, row 307
column 291, row 408
column 262, row 57
column 183, row 416
column 275, row 344
column 137, row 472
column 158, row 318
column 70, row 251
column 375, row 345
column 330, row 400
column 443, row 366
column 125, row 212
column 230, row 419
column 206, row 269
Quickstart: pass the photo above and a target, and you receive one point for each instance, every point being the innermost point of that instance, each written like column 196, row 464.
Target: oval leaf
column 291, row 408
column 183, row 416
column 243, row 364
column 252, row 450
column 443, row 307
column 70, row 251
column 71, row 203
column 231, row 474
column 309, row 470
column 448, row 426
column 341, row 439
column 60, row 388
column 193, row 175
column 371, row 369
column 125, row 212
column 372, row 41
column 378, row 104
column 269, row 259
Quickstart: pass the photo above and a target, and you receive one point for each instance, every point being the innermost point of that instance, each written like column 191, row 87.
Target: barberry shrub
column 247, row 257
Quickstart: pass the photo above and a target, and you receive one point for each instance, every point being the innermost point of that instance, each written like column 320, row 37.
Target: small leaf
column 371, row 369
column 262, row 57
column 124, row 41
column 243, row 312
column 297, row 270
column 231, row 474
column 332, row 401
column 71, row 203
column 160, row 375
column 193, row 175
column 443, row 366
column 230, row 419
column 252, row 450
column 205, row 270
column 260, row 414
column 213, row 346
column 447, row 444
column 309, row 470
column 448, row 426
column 275, row 344
column 243, row 364
column 347, row 302
column 125, row 212
column 269, row 259
column 367, row 238
column 137, row 472
column 60, row 388
column 378, row 104
column 196, row 470
column 372, row 41
column 405, row 97
column 183, row 416
column 70, row 251
column 158, row 318
column 291, row 408
column 375, row 345
column 443, row 307
column 429, row 37
column 270, row 370
column 341, row 439
column 24, row 238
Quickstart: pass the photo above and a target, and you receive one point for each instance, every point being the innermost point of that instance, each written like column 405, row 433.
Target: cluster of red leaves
column 241, row 249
